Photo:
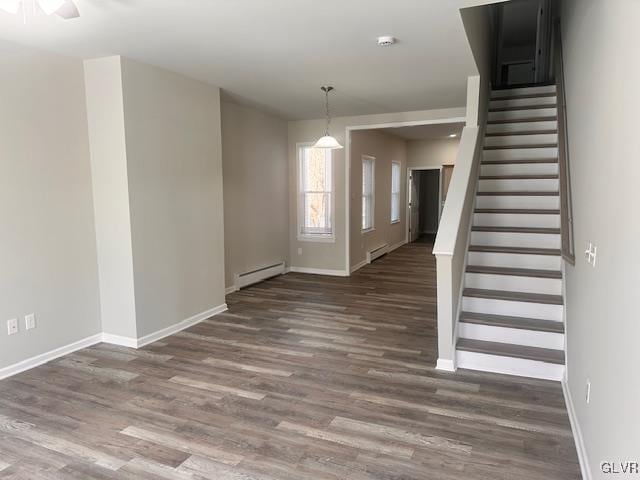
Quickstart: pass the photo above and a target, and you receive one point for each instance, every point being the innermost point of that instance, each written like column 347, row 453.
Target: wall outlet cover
column 30, row 321
column 12, row 326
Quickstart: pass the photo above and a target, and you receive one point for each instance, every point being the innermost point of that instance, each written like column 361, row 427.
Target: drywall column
column 105, row 115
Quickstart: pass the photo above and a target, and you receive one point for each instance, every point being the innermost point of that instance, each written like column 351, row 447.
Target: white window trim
column 313, row 237
column 372, row 228
column 395, row 162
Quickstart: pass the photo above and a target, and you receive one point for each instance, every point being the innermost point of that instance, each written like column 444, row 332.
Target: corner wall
column 601, row 72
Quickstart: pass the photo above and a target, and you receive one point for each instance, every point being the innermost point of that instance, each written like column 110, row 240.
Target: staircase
column 511, row 319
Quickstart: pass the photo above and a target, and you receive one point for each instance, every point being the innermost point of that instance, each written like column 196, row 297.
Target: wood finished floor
column 306, row 377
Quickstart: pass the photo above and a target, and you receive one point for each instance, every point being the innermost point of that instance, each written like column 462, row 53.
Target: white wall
column 256, row 196
column 385, row 148
column 432, row 152
column 47, row 245
column 174, row 165
column 332, row 256
column 600, row 39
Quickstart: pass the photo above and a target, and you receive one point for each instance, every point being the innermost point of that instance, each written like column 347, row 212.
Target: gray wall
column 47, row 245
column 603, row 328
column 256, row 196
column 432, row 152
column 174, row 163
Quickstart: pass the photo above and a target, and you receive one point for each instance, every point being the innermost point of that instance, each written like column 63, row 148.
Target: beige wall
column 601, row 72
column 174, row 164
column 256, row 182
column 47, row 245
column 432, row 153
column 331, row 257
column 385, row 148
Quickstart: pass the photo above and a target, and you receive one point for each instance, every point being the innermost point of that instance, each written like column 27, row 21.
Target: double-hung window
column 368, row 192
column 316, row 194
column 395, row 192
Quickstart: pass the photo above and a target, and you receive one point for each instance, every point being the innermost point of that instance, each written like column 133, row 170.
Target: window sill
column 395, row 222
column 372, row 229
column 317, row 238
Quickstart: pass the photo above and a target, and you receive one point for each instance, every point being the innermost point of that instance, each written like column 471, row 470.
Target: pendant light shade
column 327, row 141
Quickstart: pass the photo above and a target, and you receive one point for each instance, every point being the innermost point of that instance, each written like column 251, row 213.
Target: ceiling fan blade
column 68, row 10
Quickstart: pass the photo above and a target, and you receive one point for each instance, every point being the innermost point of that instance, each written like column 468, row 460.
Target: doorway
column 424, row 204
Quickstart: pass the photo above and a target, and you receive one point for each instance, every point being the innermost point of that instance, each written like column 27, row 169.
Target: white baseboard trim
column 231, row 289
column 320, row 271
column 397, row 245
column 177, row 327
column 577, row 432
column 445, row 365
column 358, row 266
column 48, row 356
column 120, row 340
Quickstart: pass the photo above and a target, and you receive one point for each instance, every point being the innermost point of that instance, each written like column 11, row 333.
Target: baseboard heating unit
column 258, row 275
column 377, row 252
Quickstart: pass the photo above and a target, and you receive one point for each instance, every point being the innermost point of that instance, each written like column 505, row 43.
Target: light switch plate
column 30, row 321
column 12, row 326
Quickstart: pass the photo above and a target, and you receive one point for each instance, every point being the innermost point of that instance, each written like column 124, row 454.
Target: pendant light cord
column 326, row 106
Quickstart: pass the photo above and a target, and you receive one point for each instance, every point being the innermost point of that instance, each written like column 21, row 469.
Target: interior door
column 414, row 206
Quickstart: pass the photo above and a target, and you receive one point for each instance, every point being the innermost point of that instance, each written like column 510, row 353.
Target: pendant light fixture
column 327, row 141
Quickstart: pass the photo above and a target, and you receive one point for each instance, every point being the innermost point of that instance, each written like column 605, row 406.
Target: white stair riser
column 509, row 365
column 515, row 260
column 550, row 286
column 517, row 201
column 521, row 140
column 511, row 92
column 516, row 220
column 540, row 311
column 520, row 154
column 517, row 184
column 523, row 114
column 513, row 336
column 520, row 169
column 524, row 102
column 510, row 239
column 522, row 126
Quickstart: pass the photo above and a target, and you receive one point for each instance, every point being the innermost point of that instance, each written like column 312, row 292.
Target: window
column 368, row 192
column 395, row 192
column 315, row 204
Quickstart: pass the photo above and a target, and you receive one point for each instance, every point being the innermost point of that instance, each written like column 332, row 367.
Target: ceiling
column 275, row 54
column 435, row 131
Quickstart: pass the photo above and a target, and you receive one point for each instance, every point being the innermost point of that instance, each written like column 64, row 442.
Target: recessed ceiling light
column 386, row 41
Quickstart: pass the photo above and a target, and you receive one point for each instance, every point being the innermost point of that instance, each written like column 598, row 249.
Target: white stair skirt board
column 522, row 126
column 520, row 154
column 516, row 115
column 377, row 252
column 43, row 358
column 518, row 201
column 512, row 283
column 532, row 240
column 509, row 365
column 445, row 365
column 513, row 336
column 515, row 260
column 511, row 184
column 541, row 311
column 320, row 271
column 537, row 139
column 516, row 220
column 258, row 275
column 577, row 432
column 523, row 91
column 520, row 169
column 524, row 102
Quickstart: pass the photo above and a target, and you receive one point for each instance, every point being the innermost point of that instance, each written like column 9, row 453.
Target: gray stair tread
column 509, row 350
column 523, row 132
column 512, row 108
column 520, row 193
column 505, row 321
column 515, row 272
column 523, row 120
column 524, row 95
column 520, row 161
column 520, row 147
column 517, row 211
column 513, row 296
column 541, row 230
column 531, row 176
column 516, row 250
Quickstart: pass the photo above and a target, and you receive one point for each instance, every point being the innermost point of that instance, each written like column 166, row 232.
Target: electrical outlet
column 588, row 391
column 30, row 321
column 299, row 251
column 590, row 254
column 594, row 252
column 12, row 326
